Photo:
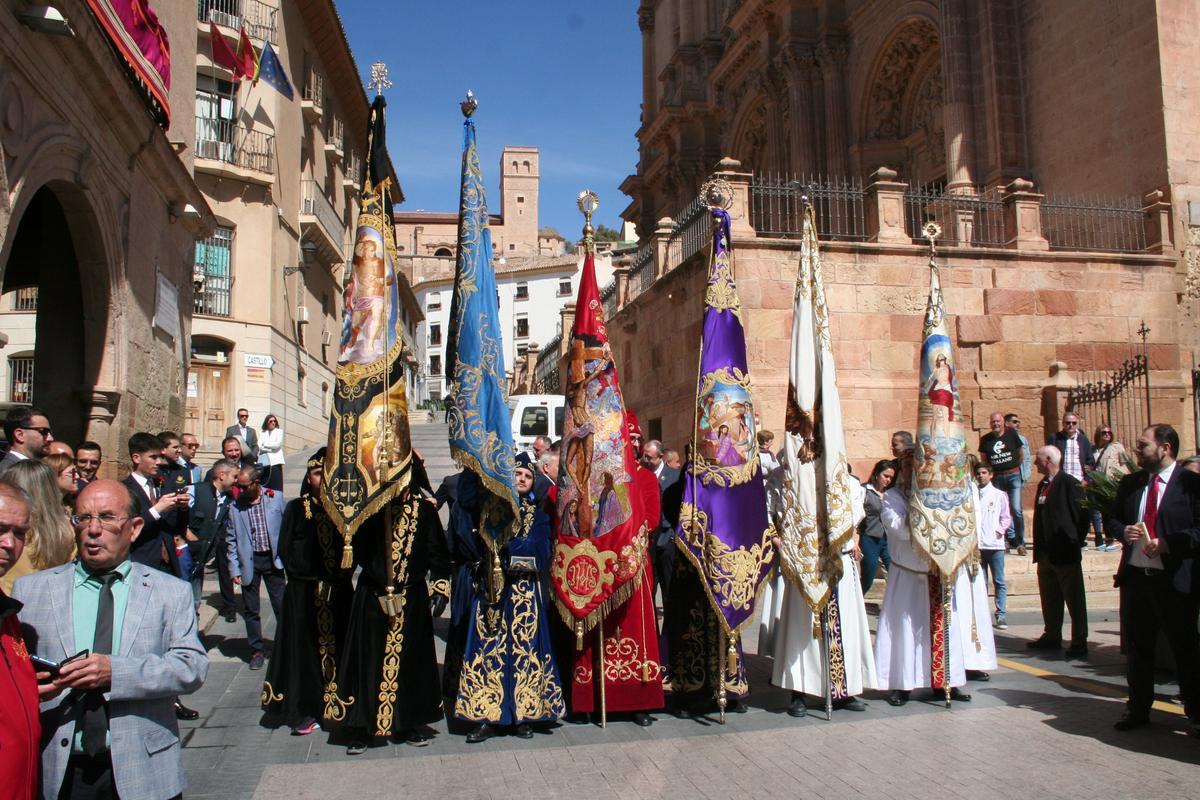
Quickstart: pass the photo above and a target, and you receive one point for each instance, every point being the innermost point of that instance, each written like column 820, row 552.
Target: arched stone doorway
column 54, row 250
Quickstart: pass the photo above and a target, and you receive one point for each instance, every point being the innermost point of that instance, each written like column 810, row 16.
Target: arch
column 525, row 166
column 750, row 134
column 906, row 54
column 443, row 252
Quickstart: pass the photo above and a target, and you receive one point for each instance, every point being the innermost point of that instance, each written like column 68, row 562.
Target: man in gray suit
column 245, row 431
column 253, row 544
column 108, row 719
column 28, row 433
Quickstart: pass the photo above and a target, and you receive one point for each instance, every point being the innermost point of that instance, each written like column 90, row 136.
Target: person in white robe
column 903, row 642
column 972, row 607
column 786, row 631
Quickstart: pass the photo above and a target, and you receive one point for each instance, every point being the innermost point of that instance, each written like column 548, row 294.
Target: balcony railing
column 1105, row 224
column 351, row 170
column 777, row 206
column 260, row 20
column 313, row 93
column 25, row 299
column 335, row 136
column 314, row 203
column 973, row 218
column 231, row 143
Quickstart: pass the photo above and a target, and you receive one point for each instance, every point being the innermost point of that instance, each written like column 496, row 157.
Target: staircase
column 1020, row 573
column 430, row 440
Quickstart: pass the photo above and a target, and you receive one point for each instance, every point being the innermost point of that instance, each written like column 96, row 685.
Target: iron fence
column 975, row 217
column 313, row 202
column 608, row 296
column 690, row 233
column 212, row 274
column 259, row 19
column 641, row 268
column 1102, row 224
column 227, row 141
column 314, row 86
column 545, row 371
column 839, row 204
column 20, row 379
column 1119, row 399
column 25, row 299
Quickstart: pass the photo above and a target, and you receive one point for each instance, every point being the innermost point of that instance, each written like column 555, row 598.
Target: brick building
column 1005, row 120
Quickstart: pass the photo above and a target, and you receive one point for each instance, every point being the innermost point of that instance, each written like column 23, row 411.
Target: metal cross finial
column 379, row 78
column 588, row 203
column 1143, row 332
column 469, row 105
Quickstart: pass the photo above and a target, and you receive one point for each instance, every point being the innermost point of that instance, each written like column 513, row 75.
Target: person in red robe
column 632, row 669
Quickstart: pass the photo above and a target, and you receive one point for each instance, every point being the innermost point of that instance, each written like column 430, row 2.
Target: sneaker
column 1001, row 624
column 306, row 727
column 1111, row 548
column 257, row 660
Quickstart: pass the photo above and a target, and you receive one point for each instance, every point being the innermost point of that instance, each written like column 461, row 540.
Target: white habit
column 971, row 601
column 902, row 643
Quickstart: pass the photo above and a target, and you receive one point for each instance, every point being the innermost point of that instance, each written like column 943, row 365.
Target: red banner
column 141, row 39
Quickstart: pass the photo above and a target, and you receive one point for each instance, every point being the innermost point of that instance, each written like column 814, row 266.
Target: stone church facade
column 1054, row 140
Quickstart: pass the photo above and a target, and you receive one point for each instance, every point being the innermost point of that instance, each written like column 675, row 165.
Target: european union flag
column 270, row 72
column 481, row 438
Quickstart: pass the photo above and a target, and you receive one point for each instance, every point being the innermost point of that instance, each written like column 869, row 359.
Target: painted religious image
column 726, row 426
column 382, row 442
column 941, row 466
column 594, row 455
column 368, row 314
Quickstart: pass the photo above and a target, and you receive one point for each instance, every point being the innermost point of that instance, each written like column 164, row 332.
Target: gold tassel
column 645, row 672
column 496, row 585
column 731, row 657
column 347, row 555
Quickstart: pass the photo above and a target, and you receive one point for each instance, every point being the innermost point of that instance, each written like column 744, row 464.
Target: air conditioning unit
column 326, row 338
column 301, row 314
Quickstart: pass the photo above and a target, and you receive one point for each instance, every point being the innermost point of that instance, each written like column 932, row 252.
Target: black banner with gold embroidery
column 370, row 452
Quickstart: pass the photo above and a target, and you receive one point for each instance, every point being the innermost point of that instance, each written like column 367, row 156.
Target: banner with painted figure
column 941, row 505
column 723, row 526
column 369, row 450
column 602, row 541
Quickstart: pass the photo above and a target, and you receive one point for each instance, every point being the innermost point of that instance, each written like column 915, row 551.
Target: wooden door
column 212, row 404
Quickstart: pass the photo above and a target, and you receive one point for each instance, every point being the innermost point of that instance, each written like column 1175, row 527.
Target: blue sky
column 560, row 75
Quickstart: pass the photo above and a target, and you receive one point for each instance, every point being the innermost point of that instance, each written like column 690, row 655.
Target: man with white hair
column 1059, row 525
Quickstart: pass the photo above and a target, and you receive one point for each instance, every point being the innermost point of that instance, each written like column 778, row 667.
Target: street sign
column 259, row 360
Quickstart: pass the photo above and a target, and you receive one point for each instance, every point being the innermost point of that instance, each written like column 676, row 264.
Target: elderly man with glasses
column 252, row 537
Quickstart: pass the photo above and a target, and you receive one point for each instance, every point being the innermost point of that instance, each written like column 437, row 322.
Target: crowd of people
column 101, row 581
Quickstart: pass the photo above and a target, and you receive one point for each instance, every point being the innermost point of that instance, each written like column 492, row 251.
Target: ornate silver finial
column 717, row 193
column 588, row 202
column 379, row 78
column 469, row 105
column 931, row 231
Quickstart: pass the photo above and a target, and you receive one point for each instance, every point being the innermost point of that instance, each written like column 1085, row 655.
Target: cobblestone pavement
column 1041, row 727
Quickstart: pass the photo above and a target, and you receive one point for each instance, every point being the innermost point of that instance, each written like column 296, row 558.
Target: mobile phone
column 53, row 667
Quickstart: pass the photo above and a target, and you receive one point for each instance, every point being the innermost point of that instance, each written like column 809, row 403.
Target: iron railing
column 25, row 299
column 692, row 230
column 260, row 20
column 1103, row 224
column 314, row 87
column 20, row 379
column 352, row 169
column 313, row 202
column 608, row 296
column 335, row 133
column 227, row 141
column 972, row 218
column 839, row 204
column 1196, row 406
column 545, row 371
column 641, row 268
column 1119, row 399
column 212, row 275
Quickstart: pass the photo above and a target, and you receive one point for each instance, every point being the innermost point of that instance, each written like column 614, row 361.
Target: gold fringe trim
column 584, row 625
column 350, row 527
column 716, row 607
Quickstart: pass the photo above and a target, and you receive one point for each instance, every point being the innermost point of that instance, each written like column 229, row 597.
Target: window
column 25, row 299
column 522, row 291
column 522, row 349
column 215, row 115
column 212, row 274
column 564, row 287
column 434, row 303
column 512, row 247
column 559, row 412
column 435, row 335
column 443, row 252
column 20, row 379
column 535, row 421
column 520, row 198
column 522, row 327
column 435, row 365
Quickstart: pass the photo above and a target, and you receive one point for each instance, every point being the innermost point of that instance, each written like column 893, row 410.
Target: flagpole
column 825, row 662
column 588, row 202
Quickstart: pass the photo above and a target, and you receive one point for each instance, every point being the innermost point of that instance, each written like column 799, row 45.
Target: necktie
column 1150, row 515
column 95, row 710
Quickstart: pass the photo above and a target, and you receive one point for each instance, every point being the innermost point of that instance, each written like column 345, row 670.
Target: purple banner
column 723, row 525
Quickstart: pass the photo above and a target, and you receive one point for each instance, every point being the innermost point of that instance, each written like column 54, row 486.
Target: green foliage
column 607, row 234
column 1102, row 488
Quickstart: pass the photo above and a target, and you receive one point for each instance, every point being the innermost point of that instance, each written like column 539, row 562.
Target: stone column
column 798, row 64
column 1157, row 209
column 832, row 56
column 956, row 94
column 649, row 71
column 1054, row 396
column 1023, row 217
column 621, row 277
column 885, row 208
column 566, row 317
column 660, row 240
column 730, row 170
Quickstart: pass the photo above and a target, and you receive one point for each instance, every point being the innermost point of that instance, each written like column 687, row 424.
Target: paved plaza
column 1041, row 727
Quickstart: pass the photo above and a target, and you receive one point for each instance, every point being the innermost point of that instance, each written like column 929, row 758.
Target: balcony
column 320, row 223
column 261, row 20
column 312, row 97
column 335, row 138
column 352, row 171
column 229, row 150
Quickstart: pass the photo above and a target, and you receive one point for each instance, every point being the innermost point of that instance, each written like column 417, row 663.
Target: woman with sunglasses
column 1111, row 460
column 270, row 453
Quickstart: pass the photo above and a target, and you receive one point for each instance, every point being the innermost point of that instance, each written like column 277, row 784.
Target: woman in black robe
column 388, row 681
column 316, row 606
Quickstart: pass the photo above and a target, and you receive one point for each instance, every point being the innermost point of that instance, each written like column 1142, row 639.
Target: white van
column 535, row 415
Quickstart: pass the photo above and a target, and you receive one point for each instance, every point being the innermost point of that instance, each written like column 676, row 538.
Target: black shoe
column 416, row 738
column 356, row 747
column 183, row 712
column 1042, row 643
column 481, row 734
column 959, row 695
column 735, row 706
column 1130, row 721
column 978, row 675
column 1076, row 651
column 230, row 615
column 682, row 712
column 898, row 697
column 642, row 719
column 850, row 704
column 523, row 731
column 798, row 708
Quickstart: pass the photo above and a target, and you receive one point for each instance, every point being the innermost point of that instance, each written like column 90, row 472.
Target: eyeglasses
column 243, row 416
column 107, row 520
column 42, row 431
column 1106, row 433
column 1071, row 422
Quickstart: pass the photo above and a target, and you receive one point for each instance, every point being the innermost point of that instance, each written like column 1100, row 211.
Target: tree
column 607, row 234
column 551, row 233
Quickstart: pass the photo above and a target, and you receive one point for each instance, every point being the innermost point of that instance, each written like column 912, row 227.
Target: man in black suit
column 1059, row 525
column 662, row 550
column 155, row 543
column 206, row 532
column 28, row 433
column 244, row 431
column 1156, row 513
